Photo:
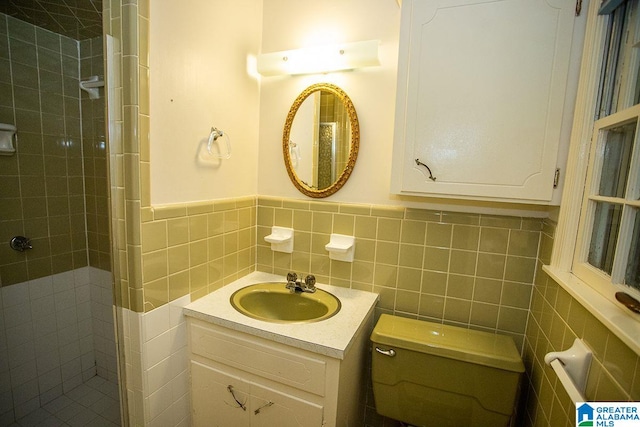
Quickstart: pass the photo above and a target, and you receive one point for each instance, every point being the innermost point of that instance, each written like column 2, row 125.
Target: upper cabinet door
column 481, row 97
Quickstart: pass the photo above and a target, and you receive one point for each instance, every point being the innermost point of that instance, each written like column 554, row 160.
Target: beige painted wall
column 201, row 75
column 199, row 79
column 291, row 24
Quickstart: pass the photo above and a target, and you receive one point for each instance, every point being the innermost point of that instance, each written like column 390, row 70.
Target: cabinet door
column 223, row 399
column 481, row 94
column 213, row 403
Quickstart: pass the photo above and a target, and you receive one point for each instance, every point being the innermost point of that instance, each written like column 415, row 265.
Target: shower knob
column 20, row 243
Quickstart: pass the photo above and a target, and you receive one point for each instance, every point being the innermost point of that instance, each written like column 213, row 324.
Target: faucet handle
column 20, row 243
column 292, row 277
column 310, row 281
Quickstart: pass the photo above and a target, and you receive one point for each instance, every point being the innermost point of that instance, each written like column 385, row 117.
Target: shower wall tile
column 53, row 331
column 102, row 323
column 94, row 159
column 43, row 197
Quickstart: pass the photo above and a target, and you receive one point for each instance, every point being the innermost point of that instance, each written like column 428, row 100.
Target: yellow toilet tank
column 428, row 374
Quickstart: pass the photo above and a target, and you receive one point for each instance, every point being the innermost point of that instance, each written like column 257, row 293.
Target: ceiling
column 78, row 19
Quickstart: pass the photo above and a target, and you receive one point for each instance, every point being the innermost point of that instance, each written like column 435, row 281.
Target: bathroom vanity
column 248, row 372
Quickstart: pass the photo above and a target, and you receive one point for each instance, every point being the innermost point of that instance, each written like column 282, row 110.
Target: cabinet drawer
column 269, row 361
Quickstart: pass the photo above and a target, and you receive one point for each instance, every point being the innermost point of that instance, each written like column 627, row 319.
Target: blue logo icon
column 585, row 415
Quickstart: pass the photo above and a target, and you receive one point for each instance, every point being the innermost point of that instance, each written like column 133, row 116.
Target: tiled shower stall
column 56, row 300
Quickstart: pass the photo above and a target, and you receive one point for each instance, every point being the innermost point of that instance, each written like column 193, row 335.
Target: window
column 607, row 252
column 596, row 251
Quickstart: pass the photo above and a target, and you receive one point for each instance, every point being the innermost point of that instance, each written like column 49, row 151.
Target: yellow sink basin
column 273, row 302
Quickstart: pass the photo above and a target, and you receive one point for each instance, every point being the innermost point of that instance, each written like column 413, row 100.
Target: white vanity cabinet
column 238, row 379
column 484, row 97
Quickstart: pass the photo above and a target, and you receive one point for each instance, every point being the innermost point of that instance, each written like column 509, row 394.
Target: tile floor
column 94, row 403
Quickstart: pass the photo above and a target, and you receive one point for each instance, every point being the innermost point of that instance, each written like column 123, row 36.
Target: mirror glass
column 320, row 140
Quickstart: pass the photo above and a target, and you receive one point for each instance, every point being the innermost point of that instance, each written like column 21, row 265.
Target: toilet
column 428, row 374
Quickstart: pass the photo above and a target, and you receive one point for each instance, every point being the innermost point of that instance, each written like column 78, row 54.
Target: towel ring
column 213, row 137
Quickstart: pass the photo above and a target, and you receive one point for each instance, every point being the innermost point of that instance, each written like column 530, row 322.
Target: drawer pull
column 266, row 405
column 391, row 352
column 241, row 405
column 419, row 163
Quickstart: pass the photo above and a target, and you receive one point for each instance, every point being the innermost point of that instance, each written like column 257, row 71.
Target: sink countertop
column 330, row 337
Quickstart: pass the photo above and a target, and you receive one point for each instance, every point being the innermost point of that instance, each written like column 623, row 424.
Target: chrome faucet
column 295, row 285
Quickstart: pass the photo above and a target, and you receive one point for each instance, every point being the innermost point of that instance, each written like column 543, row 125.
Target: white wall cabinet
column 484, row 97
column 244, row 380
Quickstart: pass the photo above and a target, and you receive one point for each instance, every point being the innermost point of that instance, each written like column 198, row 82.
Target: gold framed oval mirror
column 321, row 139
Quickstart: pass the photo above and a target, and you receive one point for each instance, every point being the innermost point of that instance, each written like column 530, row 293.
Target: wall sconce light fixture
column 319, row 59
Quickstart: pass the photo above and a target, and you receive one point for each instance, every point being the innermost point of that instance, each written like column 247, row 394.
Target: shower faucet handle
column 20, row 243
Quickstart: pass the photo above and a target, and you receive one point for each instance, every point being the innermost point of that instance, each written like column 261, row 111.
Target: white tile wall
column 100, row 299
column 158, row 365
column 49, row 329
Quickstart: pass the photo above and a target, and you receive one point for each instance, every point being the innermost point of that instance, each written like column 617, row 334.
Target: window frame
column 586, row 272
column 598, row 300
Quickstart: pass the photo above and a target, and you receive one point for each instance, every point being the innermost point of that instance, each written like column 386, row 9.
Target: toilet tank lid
column 484, row 348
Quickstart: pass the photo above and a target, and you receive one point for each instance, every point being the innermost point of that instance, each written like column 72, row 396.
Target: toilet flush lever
column 391, row 352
